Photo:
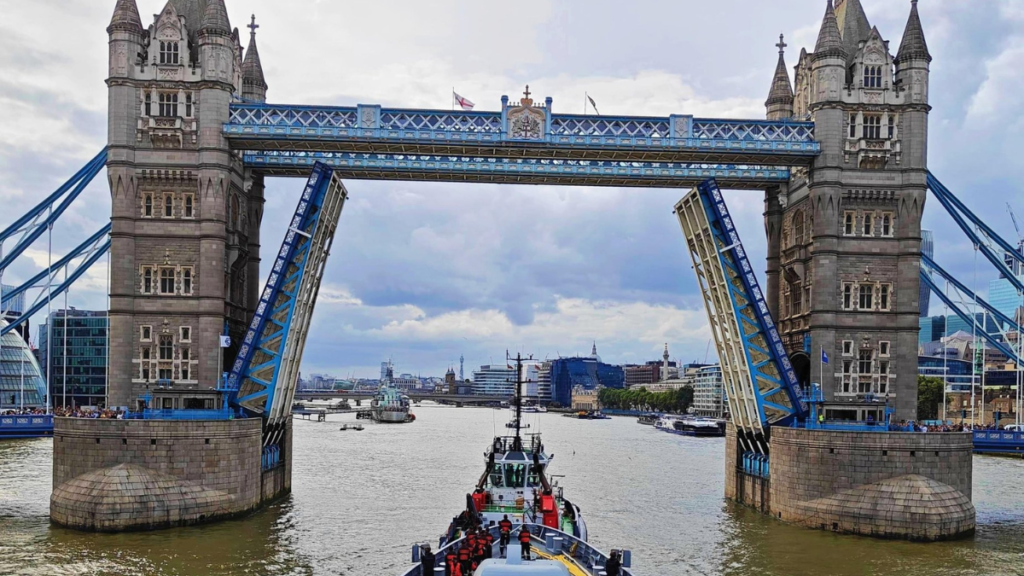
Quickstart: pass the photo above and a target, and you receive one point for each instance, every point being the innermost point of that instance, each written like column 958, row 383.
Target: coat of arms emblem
column 524, row 121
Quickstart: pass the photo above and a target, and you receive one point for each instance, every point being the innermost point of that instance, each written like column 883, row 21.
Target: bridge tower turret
column 843, row 273
column 185, row 227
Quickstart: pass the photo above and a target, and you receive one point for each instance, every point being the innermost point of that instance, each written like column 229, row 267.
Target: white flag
column 463, row 102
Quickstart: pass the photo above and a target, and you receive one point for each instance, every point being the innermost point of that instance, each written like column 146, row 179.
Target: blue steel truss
column 86, row 254
column 518, row 170
column 32, row 225
column 966, row 317
column 961, row 215
column 680, row 139
column 254, row 377
column 371, row 121
column 780, row 401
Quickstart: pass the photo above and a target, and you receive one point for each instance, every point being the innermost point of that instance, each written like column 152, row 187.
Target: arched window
column 168, row 206
column 872, row 76
column 799, row 230
column 169, row 53
column 147, row 206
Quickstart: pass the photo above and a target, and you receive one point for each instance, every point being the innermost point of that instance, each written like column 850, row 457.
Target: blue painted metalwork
column 958, row 211
column 252, row 381
column 756, row 464
column 91, row 251
column 27, row 426
column 998, row 441
column 94, row 248
column 525, row 170
column 778, row 392
column 369, row 121
column 271, row 457
column 35, row 221
column 970, row 319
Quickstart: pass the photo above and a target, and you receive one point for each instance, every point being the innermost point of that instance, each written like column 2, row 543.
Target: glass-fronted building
column 708, row 392
column 21, row 379
column 932, row 328
column 1003, row 297
column 86, row 366
column 494, row 381
column 956, row 324
column 956, row 373
column 588, row 372
column 928, row 249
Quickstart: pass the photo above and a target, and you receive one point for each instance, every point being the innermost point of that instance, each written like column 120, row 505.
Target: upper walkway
column 522, row 142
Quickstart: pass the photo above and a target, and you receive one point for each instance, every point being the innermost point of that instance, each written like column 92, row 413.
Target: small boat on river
column 690, row 426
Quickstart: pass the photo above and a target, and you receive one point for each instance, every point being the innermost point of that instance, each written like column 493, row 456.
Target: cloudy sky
column 425, row 272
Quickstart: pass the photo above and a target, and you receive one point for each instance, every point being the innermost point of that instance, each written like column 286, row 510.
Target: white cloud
column 1000, row 98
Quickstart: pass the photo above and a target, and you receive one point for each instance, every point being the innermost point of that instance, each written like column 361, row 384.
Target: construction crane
column 1020, row 239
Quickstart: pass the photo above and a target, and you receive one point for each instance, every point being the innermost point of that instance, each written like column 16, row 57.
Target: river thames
column 361, row 499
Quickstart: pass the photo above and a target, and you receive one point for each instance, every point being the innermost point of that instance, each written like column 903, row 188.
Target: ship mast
column 518, row 442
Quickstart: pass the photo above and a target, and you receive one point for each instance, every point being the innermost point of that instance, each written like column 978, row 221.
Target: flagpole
column 453, row 98
column 821, row 369
column 584, row 103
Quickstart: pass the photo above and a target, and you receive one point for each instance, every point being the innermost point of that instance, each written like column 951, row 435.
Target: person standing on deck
column 427, row 561
column 524, row 541
column 505, row 525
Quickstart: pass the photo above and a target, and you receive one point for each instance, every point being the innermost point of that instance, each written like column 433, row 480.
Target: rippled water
column 361, row 499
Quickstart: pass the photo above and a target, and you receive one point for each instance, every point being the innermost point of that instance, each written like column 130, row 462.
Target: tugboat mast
column 517, row 444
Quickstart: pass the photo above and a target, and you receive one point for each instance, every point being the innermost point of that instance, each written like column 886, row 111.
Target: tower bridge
column 841, row 158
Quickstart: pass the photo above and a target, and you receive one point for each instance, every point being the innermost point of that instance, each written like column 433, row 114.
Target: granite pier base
column 888, row 485
column 121, row 475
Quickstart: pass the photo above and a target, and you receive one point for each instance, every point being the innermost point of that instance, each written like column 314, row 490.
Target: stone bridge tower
column 844, row 237
column 185, row 215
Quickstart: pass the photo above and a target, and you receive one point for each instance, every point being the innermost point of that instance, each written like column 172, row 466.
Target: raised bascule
column 842, row 160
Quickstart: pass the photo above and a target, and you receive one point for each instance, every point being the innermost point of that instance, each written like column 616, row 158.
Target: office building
column 709, row 392
column 588, row 372
column 494, row 381
column 956, row 324
column 932, row 329
column 1003, row 296
column 86, row 349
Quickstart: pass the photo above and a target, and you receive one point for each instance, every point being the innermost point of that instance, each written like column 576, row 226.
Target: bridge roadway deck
column 370, row 142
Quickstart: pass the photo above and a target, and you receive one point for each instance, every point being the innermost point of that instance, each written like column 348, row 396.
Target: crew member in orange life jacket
column 451, row 562
column 489, row 539
column 505, row 525
column 465, row 560
column 524, row 541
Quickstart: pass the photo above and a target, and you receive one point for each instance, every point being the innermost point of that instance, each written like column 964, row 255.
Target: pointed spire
column 830, row 42
column 913, row 44
column 593, row 351
column 780, row 98
column 215, row 18
column 855, row 26
column 126, row 17
column 254, row 84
